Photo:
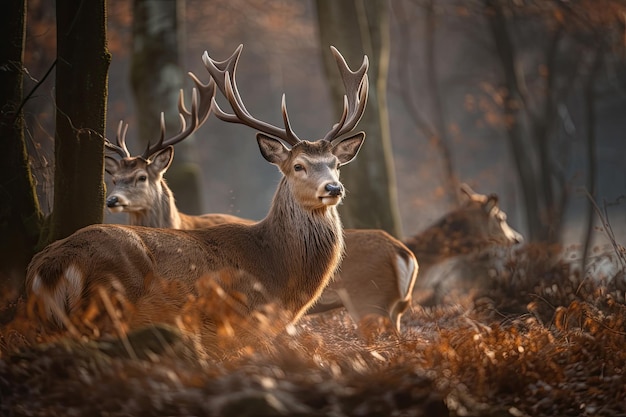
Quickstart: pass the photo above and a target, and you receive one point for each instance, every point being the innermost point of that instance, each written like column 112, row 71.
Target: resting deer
column 477, row 225
column 293, row 252
column 376, row 276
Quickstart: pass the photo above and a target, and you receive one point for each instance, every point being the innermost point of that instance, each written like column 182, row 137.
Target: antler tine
column 206, row 92
column 201, row 98
column 244, row 117
column 356, row 84
column 120, row 138
column 218, row 70
column 223, row 72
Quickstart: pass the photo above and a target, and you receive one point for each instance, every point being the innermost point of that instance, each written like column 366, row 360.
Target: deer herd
column 298, row 256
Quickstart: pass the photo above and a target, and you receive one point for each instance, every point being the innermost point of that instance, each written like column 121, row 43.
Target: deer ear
column 161, row 161
column 111, row 165
column 492, row 201
column 347, row 149
column 272, row 149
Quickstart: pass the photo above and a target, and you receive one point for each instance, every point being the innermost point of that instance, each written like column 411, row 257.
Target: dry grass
column 541, row 339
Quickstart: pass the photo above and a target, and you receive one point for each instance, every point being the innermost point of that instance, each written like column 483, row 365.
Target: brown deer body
column 376, row 276
column 478, row 224
column 293, row 252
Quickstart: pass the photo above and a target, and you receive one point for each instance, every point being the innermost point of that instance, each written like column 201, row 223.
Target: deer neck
column 163, row 212
column 308, row 244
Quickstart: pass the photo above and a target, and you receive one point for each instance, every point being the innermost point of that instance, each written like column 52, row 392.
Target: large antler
column 198, row 114
column 356, row 85
column 355, row 82
column 224, row 72
column 201, row 97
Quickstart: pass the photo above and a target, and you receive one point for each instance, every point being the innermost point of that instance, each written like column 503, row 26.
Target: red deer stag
column 139, row 187
column 477, row 225
column 293, row 252
column 376, row 276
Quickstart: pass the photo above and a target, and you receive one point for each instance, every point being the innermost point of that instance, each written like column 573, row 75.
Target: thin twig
column 23, row 103
column 607, row 228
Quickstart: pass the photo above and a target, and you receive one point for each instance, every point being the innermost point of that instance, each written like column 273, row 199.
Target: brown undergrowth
column 542, row 339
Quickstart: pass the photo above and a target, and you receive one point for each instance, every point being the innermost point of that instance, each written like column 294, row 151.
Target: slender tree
column 434, row 126
column 532, row 104
column 356, row 28
column 81, row 97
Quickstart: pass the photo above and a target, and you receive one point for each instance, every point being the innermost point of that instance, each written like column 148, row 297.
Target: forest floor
column 541, row 340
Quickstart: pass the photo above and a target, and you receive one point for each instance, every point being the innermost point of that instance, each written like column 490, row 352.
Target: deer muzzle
column 334, row 189
column 112, row 201
column 116, row 204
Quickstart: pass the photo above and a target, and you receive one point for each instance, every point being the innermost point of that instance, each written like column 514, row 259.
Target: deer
column 293, row 252
column 477, row 225
column 139, row 186
column 377, row 273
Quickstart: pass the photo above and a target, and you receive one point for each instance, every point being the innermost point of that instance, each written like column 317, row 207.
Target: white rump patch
column 67, row 292
column 73, row 284
column 36, row 285
column 407, row 269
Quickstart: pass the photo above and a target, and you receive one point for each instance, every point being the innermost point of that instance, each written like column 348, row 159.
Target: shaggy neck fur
column 162, row 214
column 309, row 247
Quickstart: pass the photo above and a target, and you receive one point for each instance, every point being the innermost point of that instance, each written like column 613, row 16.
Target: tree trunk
column 156, row 78
column 81, row 97
column 513, row 105
column 442, row 139
column 356, row 28
column 20, row 216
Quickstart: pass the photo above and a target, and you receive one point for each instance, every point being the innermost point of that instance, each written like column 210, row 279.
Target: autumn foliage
column 542, row 340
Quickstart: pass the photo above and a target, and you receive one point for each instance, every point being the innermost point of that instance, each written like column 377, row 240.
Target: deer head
column 138, row 184
column 306, row 161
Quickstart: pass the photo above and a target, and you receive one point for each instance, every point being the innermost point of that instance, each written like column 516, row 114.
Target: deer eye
column 142, row 178
column 298, row 167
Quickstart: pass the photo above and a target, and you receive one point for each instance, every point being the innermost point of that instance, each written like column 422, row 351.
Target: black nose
column 112, row 201
column 334, row 189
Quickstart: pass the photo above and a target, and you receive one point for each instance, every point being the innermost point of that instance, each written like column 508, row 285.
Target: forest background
column 521, row 98
column 524, row 99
